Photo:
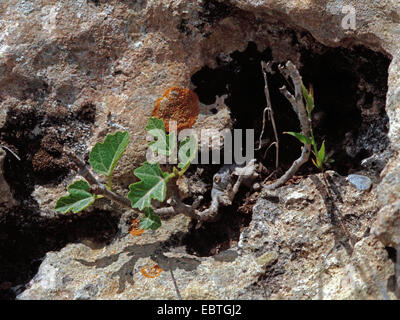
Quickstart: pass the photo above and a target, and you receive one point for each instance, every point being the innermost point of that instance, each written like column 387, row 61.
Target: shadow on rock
column 156, row 251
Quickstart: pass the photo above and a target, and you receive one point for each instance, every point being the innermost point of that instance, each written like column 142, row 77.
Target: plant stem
column 97, row 186
column 183, row 170
column 314, row 144
column 172, row 175
column 109, row 183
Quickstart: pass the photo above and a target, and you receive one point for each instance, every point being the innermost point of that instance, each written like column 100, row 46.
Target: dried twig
column 298, row 106
column 218, row 199
column 260, row 143
column 266, row 151
column 266, row 67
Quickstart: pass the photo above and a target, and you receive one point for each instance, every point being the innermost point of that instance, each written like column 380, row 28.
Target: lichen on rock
column 177, row 104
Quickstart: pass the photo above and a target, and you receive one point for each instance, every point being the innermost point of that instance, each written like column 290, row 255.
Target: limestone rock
column 387, row 225
column 113, row 272
column 312, row 258
column 109, row 62
column 296, row 253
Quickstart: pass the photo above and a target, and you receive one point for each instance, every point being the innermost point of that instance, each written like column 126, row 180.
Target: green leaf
column 165, row 143
column 78, row 198
column 302, row 138
column 155, row 123
column 150, row 220
column 104, row 156
column 309, row 99
column 153, row 185
column 321, row 153
column 187, row 151
column 320, row 157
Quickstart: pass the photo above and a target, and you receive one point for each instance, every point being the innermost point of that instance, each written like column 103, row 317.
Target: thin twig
column 266, row 67
column 210, row 214
column 270, row 175
column 100, row 189
column 260, row 144
column 298, row 106
column 269, row 147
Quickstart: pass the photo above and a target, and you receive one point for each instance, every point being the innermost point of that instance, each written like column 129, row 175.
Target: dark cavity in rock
column 350, row 86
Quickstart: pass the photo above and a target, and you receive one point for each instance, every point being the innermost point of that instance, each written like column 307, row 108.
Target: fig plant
column 152, row 184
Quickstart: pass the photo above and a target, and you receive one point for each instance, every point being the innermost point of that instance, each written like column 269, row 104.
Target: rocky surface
column 7, row 199
column 294, row 248
column 73, row 71
column 320, row 242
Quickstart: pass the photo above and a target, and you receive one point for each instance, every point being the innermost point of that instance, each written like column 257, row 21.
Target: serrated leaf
column 78, row 198
column 302, row 138
column 150, row 220
column 104, row 156
column 152, row 186
column 165, row 144
column 187, row 151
